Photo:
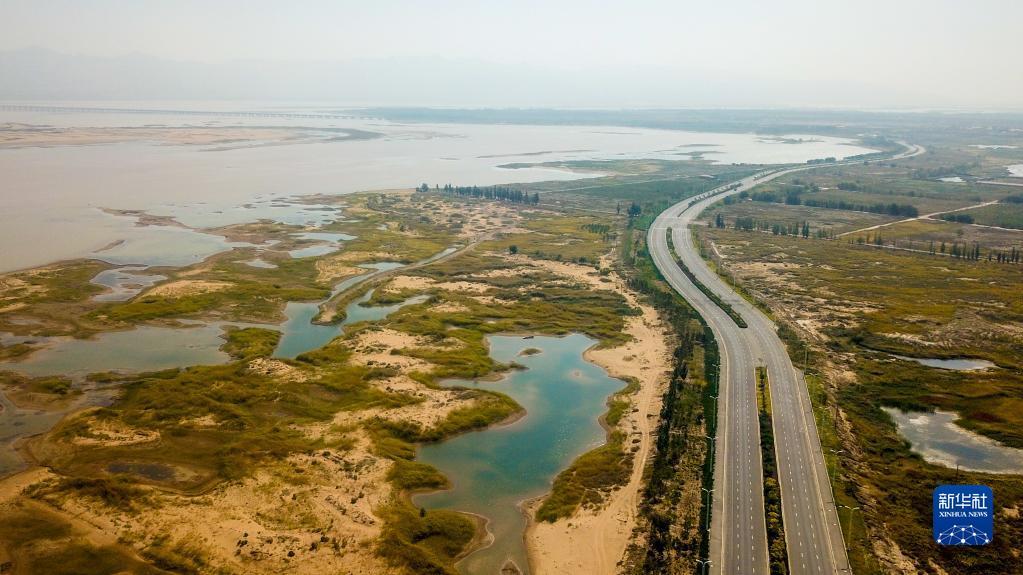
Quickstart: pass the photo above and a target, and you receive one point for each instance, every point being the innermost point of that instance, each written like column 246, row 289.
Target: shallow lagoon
column 164, row 246
column 936, row 437
column 494, row 470
column 331, row 245
column 145, row 348
column 124, row 283
column 955, row 364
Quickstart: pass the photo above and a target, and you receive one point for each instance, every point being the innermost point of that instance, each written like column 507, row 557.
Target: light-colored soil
column 449, row 307
column 13, row 307
column 276, row 369
column 112, row 434
column 464, row 287
column 812, row 310
column 417, row 283
column 381, row 347
column 433, row 406
column 11, row 487
column 13, row 287
column 593, row 541
column 319, row 507
column 403, row 283
column 480, row 218
column 350, row 257
column 182, row 288
column 331, row 269
column 308, row 514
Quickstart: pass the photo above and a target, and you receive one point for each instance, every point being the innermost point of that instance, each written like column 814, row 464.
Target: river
column 207, row 185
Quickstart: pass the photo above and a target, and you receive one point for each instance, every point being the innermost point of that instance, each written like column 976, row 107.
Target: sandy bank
column 593, row 541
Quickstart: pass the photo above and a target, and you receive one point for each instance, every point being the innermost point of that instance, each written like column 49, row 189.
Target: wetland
column 310, row 376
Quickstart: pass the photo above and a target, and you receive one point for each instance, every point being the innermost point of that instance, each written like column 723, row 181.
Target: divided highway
column 738, row 542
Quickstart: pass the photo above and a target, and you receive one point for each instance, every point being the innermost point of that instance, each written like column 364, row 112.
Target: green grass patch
column 1004, row 215
column 254, row 418
column 425, row 543
column 254, row 294
column 588, row 480
column 41, row 542
column 250, row 342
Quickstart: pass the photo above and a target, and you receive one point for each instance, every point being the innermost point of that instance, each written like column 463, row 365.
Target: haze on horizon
column 572, row 53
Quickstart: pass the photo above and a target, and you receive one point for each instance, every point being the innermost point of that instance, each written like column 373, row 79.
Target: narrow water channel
column 298, row 332
column 493, row 471
column 151, row 348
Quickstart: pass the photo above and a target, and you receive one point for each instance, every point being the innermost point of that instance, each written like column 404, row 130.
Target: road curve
column 738, row 542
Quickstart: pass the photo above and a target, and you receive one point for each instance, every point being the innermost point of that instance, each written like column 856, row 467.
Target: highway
column 738, row 538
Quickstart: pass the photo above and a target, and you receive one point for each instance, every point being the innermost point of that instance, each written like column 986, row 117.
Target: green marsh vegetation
column 254, row 416
column 57, row 299
column 248, row 294
column 425, row 542
column 574, row 238
column 43, row 542
column 214, row 425
column 45, row 392
column 250, row 342
column 50, row 301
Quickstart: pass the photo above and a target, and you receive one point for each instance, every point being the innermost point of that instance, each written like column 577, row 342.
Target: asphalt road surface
column 738, row 542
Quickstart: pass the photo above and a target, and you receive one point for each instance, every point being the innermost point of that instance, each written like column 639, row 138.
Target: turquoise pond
column 493, row 471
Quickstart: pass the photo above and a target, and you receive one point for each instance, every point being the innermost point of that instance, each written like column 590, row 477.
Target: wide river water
column 51, row 197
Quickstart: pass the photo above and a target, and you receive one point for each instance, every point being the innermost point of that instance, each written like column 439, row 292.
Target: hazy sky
column 673, row 52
